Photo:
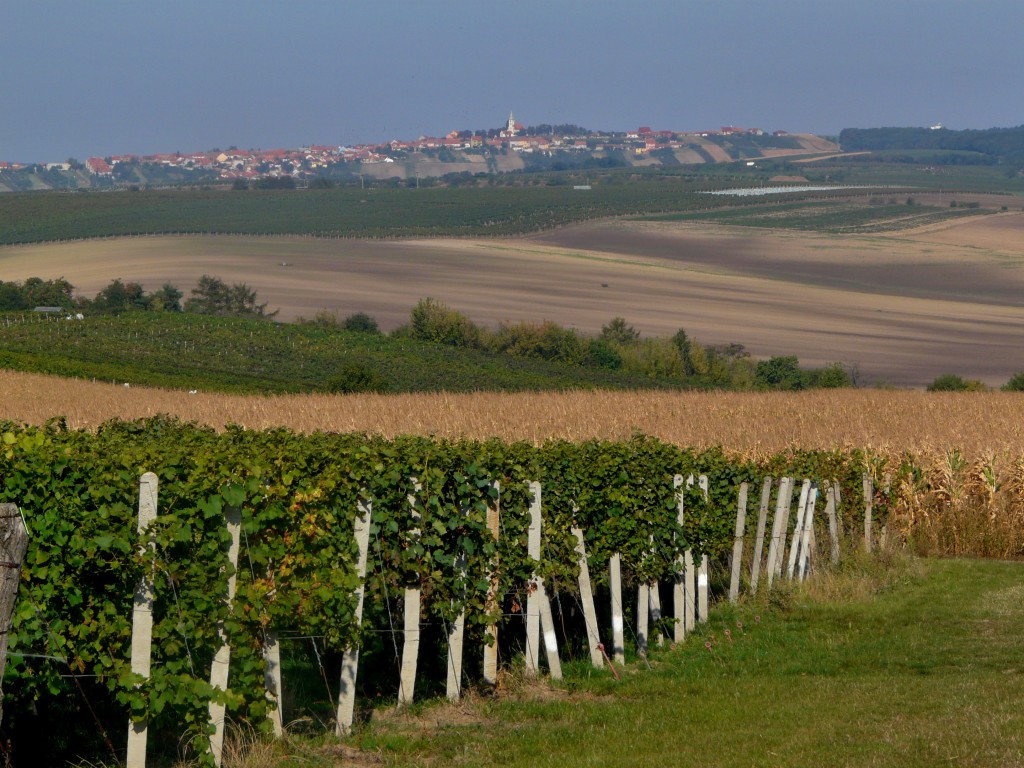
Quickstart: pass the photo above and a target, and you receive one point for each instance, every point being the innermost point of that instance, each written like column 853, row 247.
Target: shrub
column 547, row 341
column 654, row 358
column 1015, row 384
column 360, row 322
column 947, row 382
column 601, row 354
column 435, row 322
column 356, row 377
column 832, row 376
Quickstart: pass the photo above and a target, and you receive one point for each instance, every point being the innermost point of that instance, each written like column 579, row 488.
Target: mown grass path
column 926, row 673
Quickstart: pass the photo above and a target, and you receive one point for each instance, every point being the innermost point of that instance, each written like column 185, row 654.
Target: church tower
column 511, row 127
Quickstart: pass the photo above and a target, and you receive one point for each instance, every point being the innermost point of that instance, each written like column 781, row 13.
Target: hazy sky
column 95, row 77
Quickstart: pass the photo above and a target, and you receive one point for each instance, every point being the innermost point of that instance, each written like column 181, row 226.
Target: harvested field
column 902, row 308
column 884, row 420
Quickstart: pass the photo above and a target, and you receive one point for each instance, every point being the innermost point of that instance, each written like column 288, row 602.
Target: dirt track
column 902, row 308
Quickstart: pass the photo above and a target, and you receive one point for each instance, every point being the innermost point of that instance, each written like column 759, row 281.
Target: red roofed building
column 98, row 165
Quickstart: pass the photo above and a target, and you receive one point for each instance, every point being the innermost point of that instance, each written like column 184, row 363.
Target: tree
column 685, row 347
column 167, row 299
column 12, row 297
column 618, row 331
column 119, row 296
column 779, row 373
column 212, row 296
column 48, row 293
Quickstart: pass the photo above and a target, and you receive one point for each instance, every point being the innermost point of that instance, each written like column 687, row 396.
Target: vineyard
column 335, row 213
column 829, row 216
column 298, row 498
column 187, row 351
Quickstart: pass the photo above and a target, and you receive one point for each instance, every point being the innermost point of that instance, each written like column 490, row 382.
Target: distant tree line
column 211, row 296
column 1003, row 145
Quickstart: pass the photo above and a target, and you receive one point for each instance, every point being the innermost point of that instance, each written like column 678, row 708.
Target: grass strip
column 926, row 671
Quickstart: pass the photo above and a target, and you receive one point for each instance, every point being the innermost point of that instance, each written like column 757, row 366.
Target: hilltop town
column 459, row 154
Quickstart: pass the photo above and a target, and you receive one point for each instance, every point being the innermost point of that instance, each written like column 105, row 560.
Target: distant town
column 460, row 152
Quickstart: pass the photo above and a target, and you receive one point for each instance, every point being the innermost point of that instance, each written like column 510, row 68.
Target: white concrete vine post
column 411, row 613
column 737, row 547
column 350, row 662
column 762, row 521
column 142, row 617
column 490, row 664
column 222, row 660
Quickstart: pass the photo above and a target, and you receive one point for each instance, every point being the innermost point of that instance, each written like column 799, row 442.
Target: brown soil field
column 886, row 421
column 902, row 308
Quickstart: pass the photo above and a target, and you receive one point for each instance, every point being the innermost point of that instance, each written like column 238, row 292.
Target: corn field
column 949, row 465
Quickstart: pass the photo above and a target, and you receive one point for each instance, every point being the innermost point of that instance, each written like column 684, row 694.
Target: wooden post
column 618, row 627
column 350, row 662
column 869, row 504
column 737, row 546
column 534, row 596
column 833, row 522
column 411, row 612
column 587, row 599
column 13, row 544
column 142, row 616
column 222, row 660
column 762, row 520
column 643, row 613
column 798, row 529
column 490, row 670
column 272, row 682
column 683, row 593
column 779, row 522
column 808, row 534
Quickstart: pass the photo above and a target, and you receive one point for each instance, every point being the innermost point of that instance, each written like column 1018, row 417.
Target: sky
column 81, row 79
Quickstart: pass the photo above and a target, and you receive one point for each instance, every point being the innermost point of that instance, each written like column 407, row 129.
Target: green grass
column 927, row 672
column 187, row 351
